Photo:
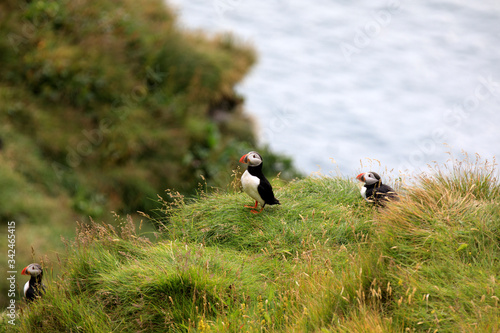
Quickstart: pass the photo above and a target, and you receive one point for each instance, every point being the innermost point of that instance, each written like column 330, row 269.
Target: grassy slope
column 106, row 103
column 322, row 261
column 103, row 104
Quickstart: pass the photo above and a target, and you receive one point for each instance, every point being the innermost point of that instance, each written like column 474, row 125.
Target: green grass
column 104, row 104
column 323, row 261
column 321, row 208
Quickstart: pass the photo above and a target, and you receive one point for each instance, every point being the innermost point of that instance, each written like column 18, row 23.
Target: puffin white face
column 252, row 158
column 32, row 269
column 369, row 178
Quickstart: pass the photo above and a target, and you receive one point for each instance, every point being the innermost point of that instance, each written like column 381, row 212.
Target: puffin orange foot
column 257, row 212
column 256, row 203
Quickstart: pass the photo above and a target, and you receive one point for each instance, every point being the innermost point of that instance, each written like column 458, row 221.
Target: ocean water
column 343, row 85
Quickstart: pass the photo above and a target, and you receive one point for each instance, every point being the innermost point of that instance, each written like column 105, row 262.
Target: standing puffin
column 255, row 184
column 374, row 191
column 34, row 287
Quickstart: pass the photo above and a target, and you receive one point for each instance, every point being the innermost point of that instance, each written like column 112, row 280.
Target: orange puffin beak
column 24, row 271
column 361, row 177
column 244, row 159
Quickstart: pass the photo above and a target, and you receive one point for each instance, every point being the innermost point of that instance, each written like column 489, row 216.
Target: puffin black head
column 33, row 270
column 369, row 178
column 252, row 158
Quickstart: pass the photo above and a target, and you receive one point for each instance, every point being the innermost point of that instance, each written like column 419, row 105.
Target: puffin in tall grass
column 34, row 287
column 255, row 184
column 374, row 191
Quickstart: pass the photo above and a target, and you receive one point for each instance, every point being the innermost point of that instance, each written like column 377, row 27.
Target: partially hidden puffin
column 255, row 184
column 34, row 287
column 374, row 191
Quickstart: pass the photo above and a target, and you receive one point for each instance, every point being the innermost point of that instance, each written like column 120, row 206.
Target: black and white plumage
column 255, row 184
column 374, row 191
column 34, row 287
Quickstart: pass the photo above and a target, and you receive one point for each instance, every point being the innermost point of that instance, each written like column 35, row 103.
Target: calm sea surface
column 349, row 81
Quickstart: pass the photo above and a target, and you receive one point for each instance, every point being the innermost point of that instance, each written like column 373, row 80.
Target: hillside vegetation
column 104, row 104
column 323, row 261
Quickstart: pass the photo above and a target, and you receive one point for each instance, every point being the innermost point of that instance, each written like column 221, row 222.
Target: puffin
column 34, row 287
column 255, row 184
column 374, row 191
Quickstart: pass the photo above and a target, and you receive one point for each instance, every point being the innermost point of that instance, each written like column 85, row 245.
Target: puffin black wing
column 383, row 194
column 266, row 192
column 34, row 291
